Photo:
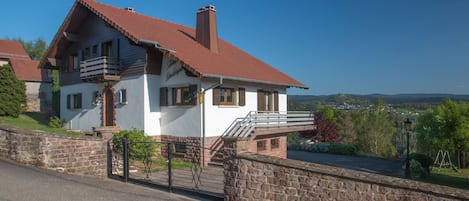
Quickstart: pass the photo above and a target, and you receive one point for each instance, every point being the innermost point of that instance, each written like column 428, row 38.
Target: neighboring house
column 37, row 81
column 123, row 70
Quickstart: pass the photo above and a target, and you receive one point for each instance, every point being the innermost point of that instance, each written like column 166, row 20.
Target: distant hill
column 417, row 101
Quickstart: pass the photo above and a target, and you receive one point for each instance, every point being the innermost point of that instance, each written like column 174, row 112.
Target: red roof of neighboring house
column 230, row 62
column 26, row 69
column 11, row 48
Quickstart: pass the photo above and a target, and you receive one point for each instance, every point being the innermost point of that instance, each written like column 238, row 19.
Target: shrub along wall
column 250, row 176
column 77, row 155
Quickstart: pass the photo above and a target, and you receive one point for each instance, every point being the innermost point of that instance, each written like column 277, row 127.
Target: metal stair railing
column 243, row 127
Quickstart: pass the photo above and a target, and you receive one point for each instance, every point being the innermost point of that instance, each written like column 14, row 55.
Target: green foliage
column 343, row 149
column 35, row 48
column 12, row 93
column 34, row 121
column 446, row 127
column 56, row 122
column 424, row 160
column 142, row 147
column 388, row 151
column 417, row 169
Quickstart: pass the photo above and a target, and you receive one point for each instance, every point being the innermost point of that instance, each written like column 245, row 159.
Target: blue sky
column 332, row 46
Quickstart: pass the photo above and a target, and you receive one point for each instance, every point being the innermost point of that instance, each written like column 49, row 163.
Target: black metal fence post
column 125, row 143
column 170, row 174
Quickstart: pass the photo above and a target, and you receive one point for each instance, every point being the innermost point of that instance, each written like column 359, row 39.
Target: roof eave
column 301, row 86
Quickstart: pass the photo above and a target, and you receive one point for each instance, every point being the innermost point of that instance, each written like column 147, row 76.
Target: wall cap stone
column 366, row 177
column 46, row 134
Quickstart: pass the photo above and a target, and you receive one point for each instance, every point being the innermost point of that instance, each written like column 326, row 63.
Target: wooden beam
column 55, row 62
column 71, row 37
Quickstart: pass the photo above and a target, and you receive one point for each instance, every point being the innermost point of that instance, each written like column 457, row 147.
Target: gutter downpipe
column 202, row 91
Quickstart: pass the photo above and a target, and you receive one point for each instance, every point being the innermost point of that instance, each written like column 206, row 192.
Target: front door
column 108, row 107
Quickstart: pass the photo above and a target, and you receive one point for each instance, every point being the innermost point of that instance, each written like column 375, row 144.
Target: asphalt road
column 21, row 183
column 367, row 164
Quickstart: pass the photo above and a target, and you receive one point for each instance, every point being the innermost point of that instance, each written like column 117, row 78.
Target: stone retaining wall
column 73, row 155
column 250, row 176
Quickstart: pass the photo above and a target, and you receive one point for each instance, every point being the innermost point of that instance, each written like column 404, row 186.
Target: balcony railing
column 100, row 68
column 243, row 127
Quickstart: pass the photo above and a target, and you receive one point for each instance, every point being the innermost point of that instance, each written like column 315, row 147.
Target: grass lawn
column 448, row 177
column 34, row 121
column 161, row 164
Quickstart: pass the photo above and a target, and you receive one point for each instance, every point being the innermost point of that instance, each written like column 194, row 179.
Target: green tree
column 446, row 127
column 374, row 130
column 35, row 48
column 12, row 93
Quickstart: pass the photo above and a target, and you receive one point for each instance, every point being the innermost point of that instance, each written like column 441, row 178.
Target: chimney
column 206, row 28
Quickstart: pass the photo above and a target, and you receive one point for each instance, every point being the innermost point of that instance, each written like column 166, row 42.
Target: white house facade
column 123, row 70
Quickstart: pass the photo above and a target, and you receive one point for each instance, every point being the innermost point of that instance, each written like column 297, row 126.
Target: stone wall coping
column 365, row 177
column 46, row 134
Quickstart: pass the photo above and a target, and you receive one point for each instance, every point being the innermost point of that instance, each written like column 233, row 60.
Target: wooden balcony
column 264, row 123
column 100, row 69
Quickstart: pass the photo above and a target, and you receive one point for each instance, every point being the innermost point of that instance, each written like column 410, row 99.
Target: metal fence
column 175, row 167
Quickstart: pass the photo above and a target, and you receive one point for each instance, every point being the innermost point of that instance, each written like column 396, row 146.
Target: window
column 73, row 63
column 274, row 143
column 94, row 50
column 122, row 97
column 267, row 101
column 180, row 147
column 227, row 96
column 96, row 97
column 86, row 53
column 261, row 145
column 74, row 101
column 184, row 95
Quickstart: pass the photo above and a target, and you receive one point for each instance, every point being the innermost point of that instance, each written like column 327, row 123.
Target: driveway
column 25, row 183
column 367, row 164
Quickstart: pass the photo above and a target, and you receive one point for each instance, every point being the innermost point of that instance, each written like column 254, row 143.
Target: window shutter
column 123, row 96
column 276, row 101
column 164, row 96
column 216, row 96
column 69, row 101
column 193, row 94
column 242, row 97
column 115, row 48
column 100, row 51
column 70, row 63
column 79, row 101
column 260, row 101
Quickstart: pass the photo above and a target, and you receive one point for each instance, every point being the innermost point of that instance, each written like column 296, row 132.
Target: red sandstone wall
column 73, row 155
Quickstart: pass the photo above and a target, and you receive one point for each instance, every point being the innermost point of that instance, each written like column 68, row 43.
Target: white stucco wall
column 32, row 88
column 130, row 115
column 179, row 120
column 151, row 104
column 87, row 117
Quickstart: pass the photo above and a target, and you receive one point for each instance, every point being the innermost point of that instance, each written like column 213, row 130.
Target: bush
column 56, row 122
column 417, row 169
column 388, row 151
column 141, row 147
column 321, row 147
column 12, row 93
column 343, row 149
column 423, row 159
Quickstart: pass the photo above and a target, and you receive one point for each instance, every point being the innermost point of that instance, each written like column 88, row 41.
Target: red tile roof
column 11, row 48
column 26, row 69
column 230, row 62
